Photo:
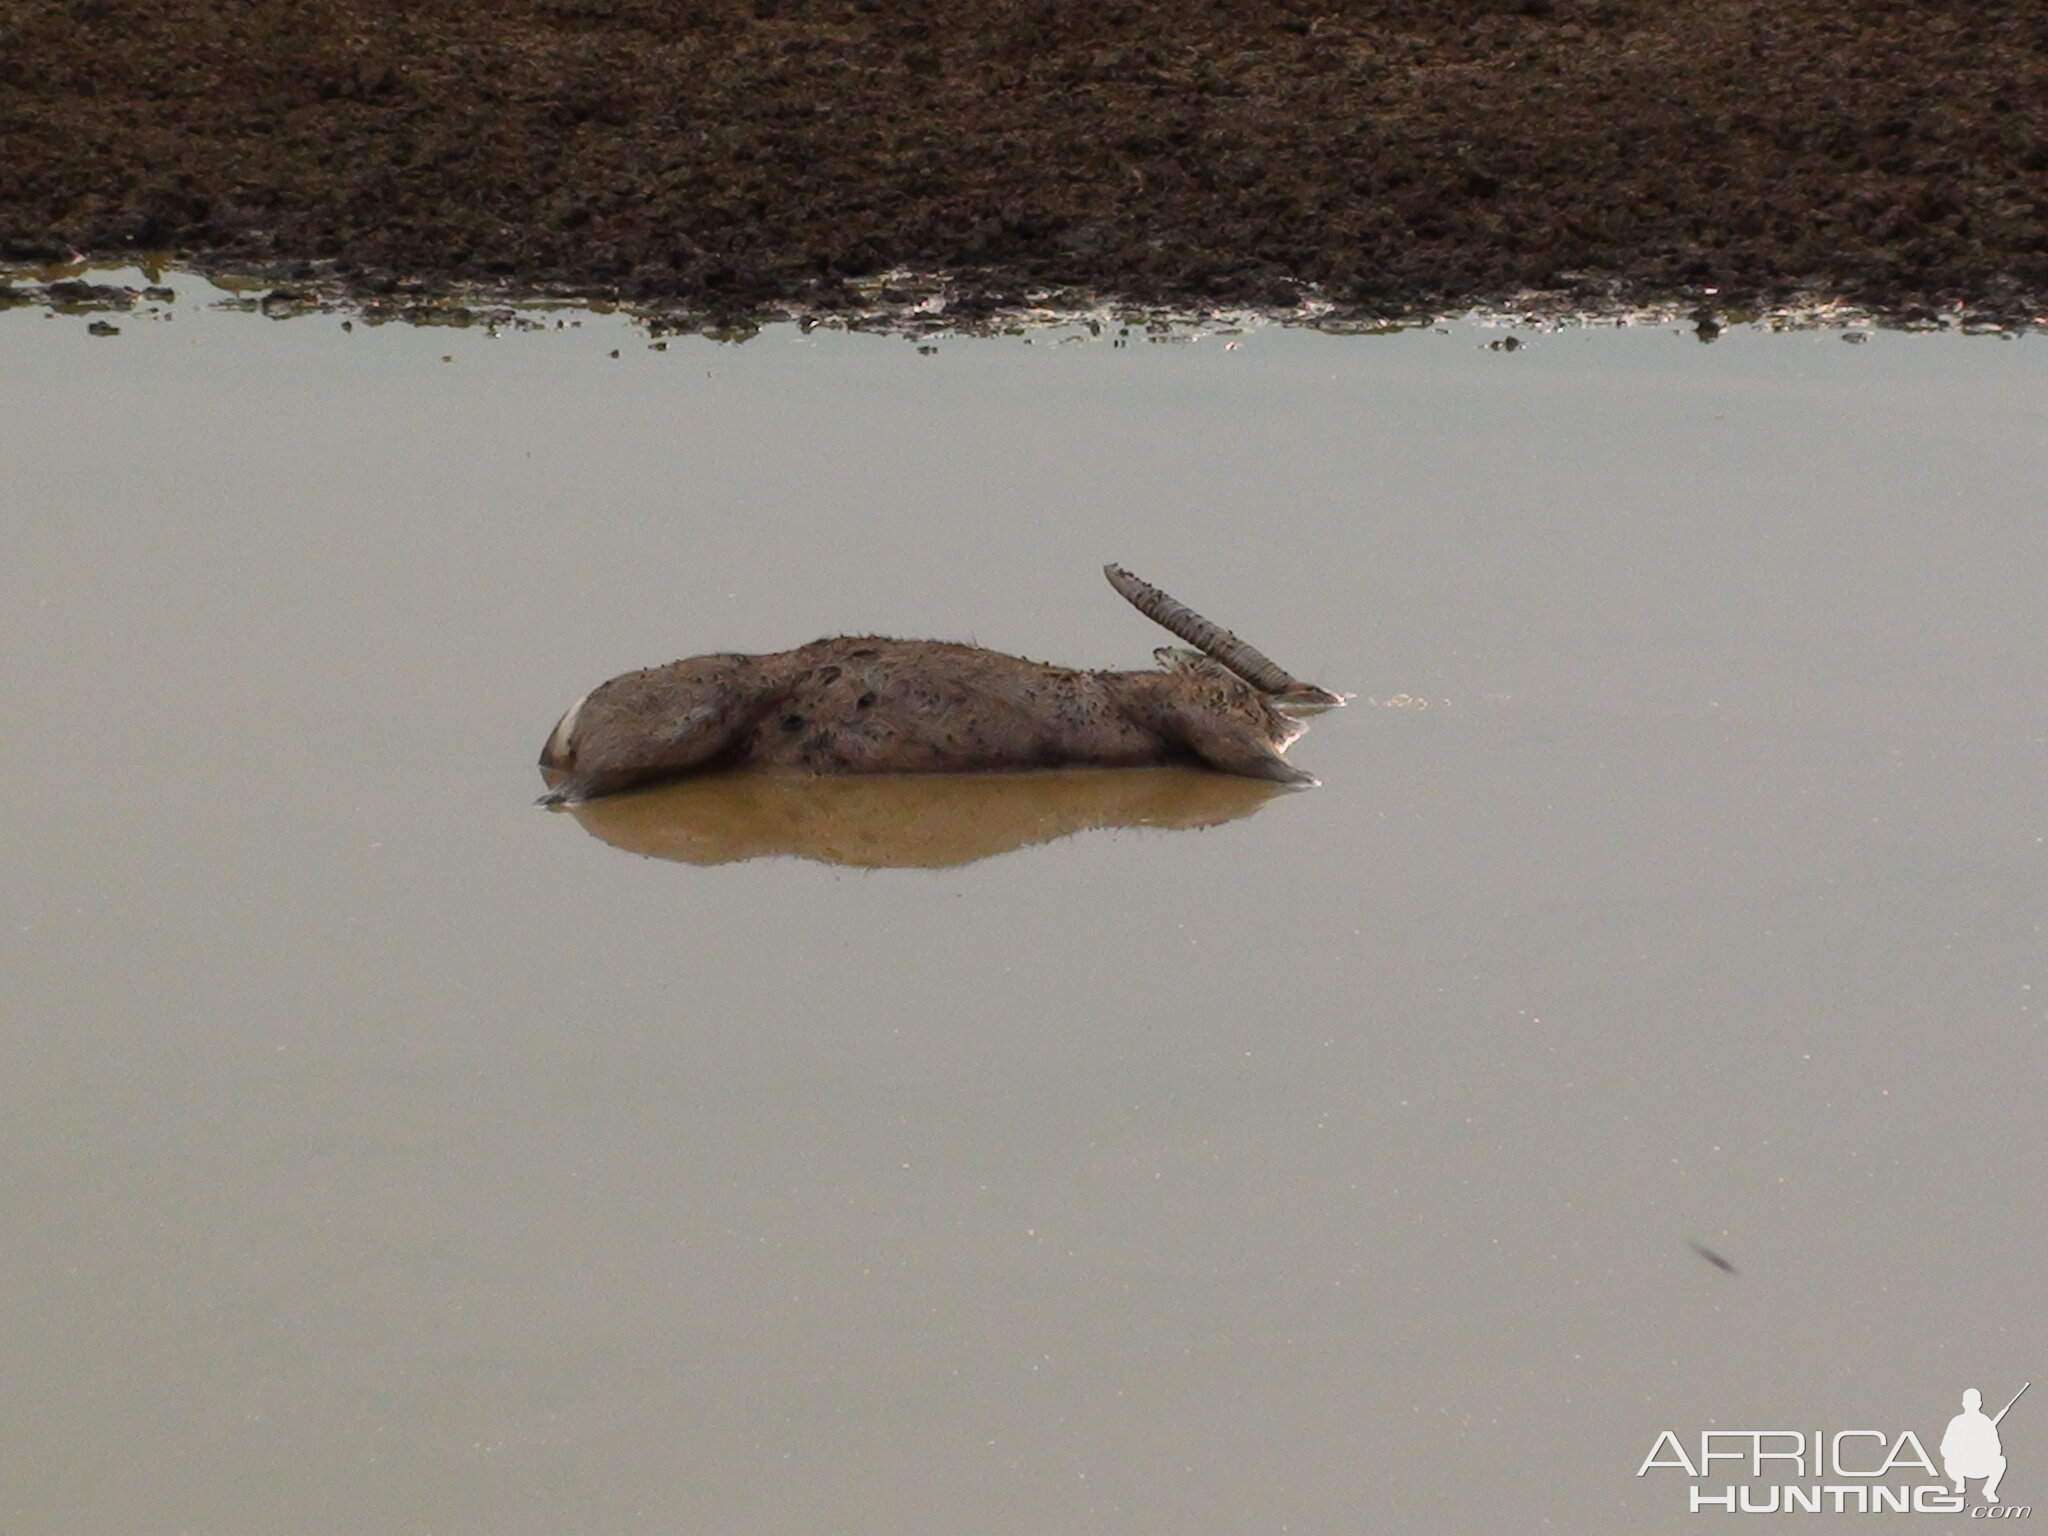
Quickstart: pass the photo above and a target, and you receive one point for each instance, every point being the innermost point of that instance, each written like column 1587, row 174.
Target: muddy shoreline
column 1357, row 160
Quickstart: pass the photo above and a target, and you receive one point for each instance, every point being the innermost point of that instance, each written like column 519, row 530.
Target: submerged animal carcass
column 862, row 704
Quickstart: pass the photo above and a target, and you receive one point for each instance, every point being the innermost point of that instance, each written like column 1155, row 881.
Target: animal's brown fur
column 872, row 705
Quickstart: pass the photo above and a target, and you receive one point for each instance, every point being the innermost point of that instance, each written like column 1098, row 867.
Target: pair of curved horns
column 1215, row 641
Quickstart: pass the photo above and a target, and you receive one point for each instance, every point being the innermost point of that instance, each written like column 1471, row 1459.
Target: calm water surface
column 384, row 1154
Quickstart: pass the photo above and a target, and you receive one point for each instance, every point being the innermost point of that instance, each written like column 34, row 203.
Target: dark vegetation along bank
column 734, row 155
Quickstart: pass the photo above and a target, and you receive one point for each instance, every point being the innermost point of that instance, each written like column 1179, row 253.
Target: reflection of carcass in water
column 923, row 821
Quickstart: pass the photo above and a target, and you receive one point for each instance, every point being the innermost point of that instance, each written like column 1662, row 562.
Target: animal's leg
column 693, row 738
column 657, row 724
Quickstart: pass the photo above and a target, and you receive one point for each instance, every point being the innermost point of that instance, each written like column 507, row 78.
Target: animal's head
column 1280, row 723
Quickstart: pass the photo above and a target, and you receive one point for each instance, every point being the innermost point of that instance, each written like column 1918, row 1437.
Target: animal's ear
column 1179, row 659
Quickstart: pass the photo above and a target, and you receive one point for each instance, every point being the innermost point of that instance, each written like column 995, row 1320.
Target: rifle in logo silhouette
column 2008, row 1407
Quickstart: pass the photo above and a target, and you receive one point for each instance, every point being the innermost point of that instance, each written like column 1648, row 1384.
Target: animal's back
column 872, row 705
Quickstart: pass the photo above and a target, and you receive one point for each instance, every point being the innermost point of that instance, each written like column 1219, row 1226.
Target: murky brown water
column 385, row 1154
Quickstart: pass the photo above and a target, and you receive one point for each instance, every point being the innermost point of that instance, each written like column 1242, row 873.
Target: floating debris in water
column 1713, row 1258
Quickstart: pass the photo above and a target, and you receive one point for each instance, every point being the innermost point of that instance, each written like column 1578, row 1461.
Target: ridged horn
column 1215, row 641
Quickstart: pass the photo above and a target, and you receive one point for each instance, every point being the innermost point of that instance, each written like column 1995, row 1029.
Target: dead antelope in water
column 869, row 705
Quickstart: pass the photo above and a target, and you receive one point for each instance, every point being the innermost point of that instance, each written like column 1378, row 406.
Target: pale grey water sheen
column 384, row 1154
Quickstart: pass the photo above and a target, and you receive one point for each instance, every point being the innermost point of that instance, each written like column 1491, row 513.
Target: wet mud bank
column 778, row 155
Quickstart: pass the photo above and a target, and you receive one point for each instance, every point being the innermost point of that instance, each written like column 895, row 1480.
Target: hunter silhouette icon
column 1970, row 1446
